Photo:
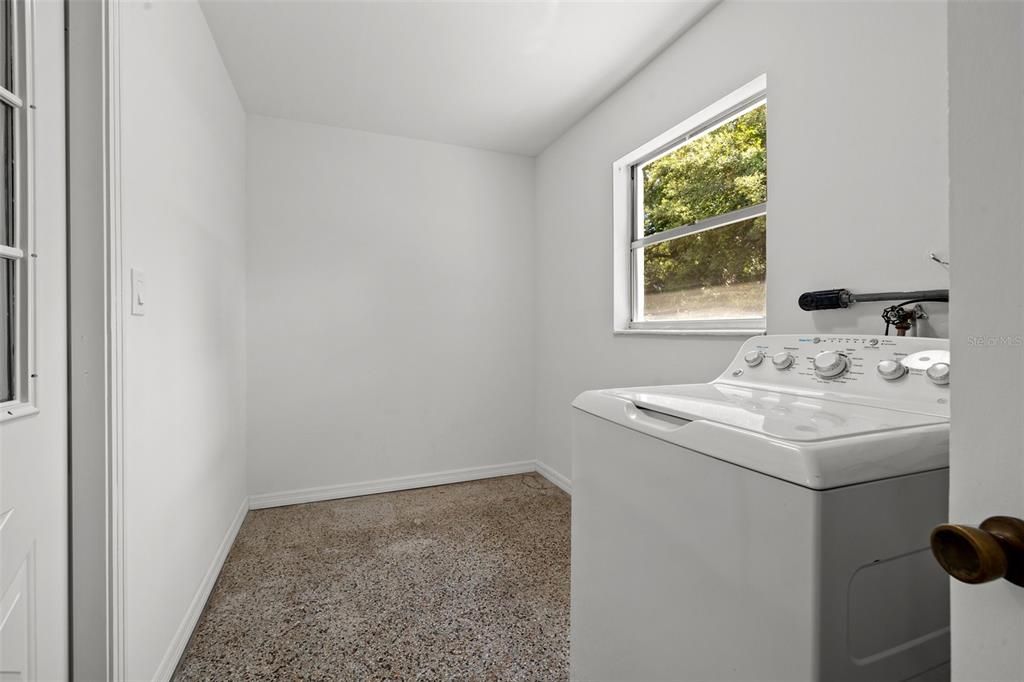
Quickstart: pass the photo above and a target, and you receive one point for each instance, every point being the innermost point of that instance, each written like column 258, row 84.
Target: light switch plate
column 138, row 292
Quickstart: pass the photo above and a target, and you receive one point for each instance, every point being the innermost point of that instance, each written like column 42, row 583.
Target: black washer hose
column 830, row 299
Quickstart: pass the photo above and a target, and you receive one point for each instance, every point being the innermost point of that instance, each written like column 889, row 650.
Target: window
column 14, row 233
column 691, row 217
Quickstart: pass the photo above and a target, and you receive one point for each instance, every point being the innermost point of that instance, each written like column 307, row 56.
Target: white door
column 33, row 370
column 986, row 94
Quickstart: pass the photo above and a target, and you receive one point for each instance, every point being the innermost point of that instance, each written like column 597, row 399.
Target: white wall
column 183, row 146
column 390, row 307
column 857, row 185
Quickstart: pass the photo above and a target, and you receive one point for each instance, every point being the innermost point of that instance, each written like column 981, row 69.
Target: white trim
column 387, row 485
column 116, row 316
column 195, row 609
column 27, row 219
column 97, row 313
column 559, row 479
column 11, row 252
column 712, row 223
column 742, row 333
column 739, row 323
column 16, row 409
column 8, row 97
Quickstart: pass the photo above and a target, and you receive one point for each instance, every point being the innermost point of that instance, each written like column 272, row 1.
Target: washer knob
column 783, row 360
column 753, row 358
column 939, row 373
column 829, row 364
column 891, row 370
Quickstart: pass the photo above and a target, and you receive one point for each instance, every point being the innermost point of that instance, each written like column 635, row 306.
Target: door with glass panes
column 33, row 341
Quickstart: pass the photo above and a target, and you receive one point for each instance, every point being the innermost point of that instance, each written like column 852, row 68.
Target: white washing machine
column 770, row 525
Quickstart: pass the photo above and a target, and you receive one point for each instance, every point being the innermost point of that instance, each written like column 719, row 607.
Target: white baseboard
column 181, row 638
column 387, row 485
column 555, row 477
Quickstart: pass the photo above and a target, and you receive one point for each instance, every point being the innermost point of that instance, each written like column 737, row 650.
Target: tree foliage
column 721, row 171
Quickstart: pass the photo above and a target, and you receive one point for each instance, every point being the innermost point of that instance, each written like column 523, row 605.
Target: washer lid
column 778, row 415
column 819, row 444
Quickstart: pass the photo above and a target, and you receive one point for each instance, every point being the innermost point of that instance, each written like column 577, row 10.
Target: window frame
column 21, row 251
column 628, row 218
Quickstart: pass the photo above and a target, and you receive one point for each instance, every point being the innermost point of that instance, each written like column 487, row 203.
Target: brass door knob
column 993, row 550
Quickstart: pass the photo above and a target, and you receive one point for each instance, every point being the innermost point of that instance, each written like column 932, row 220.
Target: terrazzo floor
column 468, row 581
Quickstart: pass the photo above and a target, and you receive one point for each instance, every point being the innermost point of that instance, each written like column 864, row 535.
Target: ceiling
column 508, row 76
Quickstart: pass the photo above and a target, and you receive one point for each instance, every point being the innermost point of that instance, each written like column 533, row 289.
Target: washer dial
column 830, row 364
column 783, row 360
column 939, row 373
column 891, row 370
column 753, row 358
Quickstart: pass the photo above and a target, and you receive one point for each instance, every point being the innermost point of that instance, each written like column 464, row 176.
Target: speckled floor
column 468, row 581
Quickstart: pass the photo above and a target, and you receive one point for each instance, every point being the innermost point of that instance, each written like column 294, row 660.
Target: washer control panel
column 902, row 372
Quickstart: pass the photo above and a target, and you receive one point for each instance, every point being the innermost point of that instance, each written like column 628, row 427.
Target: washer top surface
column 771, row 413
column 821, row 412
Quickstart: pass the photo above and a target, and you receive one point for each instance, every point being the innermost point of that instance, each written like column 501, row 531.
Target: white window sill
column 745, row 333
column 11, row 411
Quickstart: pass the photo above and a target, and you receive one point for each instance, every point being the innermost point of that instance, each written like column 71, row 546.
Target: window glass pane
column 7, row 268
column 711, row 275
column 7, row 175
column 718, row 172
